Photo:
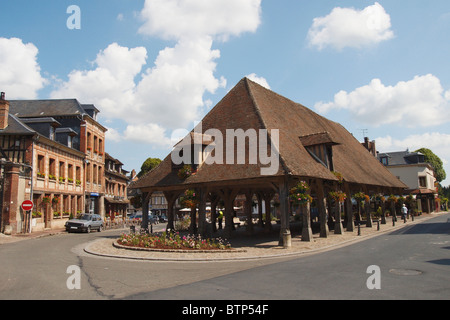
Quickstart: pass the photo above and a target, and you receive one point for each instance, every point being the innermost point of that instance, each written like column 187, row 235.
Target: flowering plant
column 299, row 195
column 172, row 240
column 185, row 172
column 189, row 199
column 55, row 200
column 392, row 198
column 360, row 196
column 339, row 176
column 338, row 196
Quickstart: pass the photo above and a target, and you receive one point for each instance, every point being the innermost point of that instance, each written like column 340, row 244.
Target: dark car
column 85, row 223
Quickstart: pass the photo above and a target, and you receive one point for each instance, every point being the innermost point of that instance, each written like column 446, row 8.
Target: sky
column 155, row 67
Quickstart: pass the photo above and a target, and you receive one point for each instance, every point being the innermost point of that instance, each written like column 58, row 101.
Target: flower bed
column 172, row 241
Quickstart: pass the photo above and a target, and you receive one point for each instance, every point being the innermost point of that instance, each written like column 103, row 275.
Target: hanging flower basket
column 55, row 200
column 338, row 196
column 189, row 199
column 185, row 172
column 339, row 177
column 298, row 194
column 360, row 196
column 46, row 200
column 392, row 198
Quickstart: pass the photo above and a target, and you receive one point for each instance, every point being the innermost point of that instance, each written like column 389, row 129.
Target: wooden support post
column 322, row 206
column 146, row 196
column 285, row 232
column 214, row 198
column 228, row 196
column 248, row 210
column 268, row 223
column 202, row 226
column 260, row 219
column 337, row 219
column 171, row 198
column 348, row 207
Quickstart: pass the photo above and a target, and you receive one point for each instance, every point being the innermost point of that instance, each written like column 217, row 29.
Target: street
column 413, row 263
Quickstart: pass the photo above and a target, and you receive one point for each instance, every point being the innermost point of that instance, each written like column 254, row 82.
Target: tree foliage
column 148, row 165
column 436, row 162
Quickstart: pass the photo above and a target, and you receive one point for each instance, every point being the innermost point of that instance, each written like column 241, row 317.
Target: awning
column 117, row 201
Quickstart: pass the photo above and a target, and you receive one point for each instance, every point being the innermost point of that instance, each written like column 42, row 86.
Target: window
column 41, row 165
column 52, row 133
column 69, row 141
column 422, row 182
column 52, row 168
column 384, row 161
column 62, row 172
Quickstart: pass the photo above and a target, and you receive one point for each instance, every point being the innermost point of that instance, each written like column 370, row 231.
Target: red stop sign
column 27, row 205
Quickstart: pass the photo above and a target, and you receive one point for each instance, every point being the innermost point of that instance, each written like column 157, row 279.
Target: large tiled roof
column 251, row 106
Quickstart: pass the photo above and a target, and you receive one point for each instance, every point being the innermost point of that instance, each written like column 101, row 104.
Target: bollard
column 359, row 228
column 132, row 229
column 393, row 221
column 378, row 225
column 412, row 217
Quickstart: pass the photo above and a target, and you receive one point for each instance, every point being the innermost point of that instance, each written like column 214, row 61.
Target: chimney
column 4, row 112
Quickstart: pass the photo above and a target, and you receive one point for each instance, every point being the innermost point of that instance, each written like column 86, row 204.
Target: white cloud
column 111, row 84
column 418, row 102
column 175, row 19
column 20, row 73
column 260, row 80
column 113, row 135
column 169, row 94
column 437, row 142
column 349, row 27
column 151, row 134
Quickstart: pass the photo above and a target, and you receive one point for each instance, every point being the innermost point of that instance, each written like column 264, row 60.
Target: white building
column 418, row 175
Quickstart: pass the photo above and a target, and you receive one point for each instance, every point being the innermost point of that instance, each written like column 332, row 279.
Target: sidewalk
column 24, row 236
column 258, row 246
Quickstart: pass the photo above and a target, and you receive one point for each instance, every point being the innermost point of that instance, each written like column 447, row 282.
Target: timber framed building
column 310, row 149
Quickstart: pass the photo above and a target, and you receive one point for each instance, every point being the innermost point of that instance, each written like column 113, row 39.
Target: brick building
column 53, row 152
column 116, row 184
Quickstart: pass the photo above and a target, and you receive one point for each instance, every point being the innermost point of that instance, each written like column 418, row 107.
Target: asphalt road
column 414, row 263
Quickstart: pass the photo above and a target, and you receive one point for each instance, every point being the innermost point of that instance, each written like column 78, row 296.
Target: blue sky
column 156, row 66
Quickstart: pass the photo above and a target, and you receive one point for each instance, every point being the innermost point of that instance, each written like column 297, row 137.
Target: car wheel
column 100, row 228
column 88, row 230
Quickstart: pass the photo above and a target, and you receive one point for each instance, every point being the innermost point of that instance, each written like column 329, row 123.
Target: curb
column 88, row 250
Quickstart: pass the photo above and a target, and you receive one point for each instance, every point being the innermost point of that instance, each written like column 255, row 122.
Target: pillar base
column 307, row 234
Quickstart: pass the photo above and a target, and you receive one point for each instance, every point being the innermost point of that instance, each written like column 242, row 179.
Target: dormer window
column 320, row 147
column 52, row 133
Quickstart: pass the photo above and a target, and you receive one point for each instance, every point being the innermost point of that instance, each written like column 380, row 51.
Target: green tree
column 436, row 162
column 148, row 165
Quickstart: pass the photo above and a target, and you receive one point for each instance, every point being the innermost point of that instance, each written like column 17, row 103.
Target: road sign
column 27, row 205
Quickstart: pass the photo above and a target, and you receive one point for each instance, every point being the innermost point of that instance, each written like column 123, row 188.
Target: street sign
column 27, row 205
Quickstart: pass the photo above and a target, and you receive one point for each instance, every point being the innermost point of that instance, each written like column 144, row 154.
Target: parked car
column 85, row 223
column 136, row 217
column 163, row 218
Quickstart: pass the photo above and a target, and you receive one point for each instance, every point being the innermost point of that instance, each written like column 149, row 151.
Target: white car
column 85, row 223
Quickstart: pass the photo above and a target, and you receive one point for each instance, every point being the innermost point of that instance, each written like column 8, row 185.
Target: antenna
column 364, row 132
